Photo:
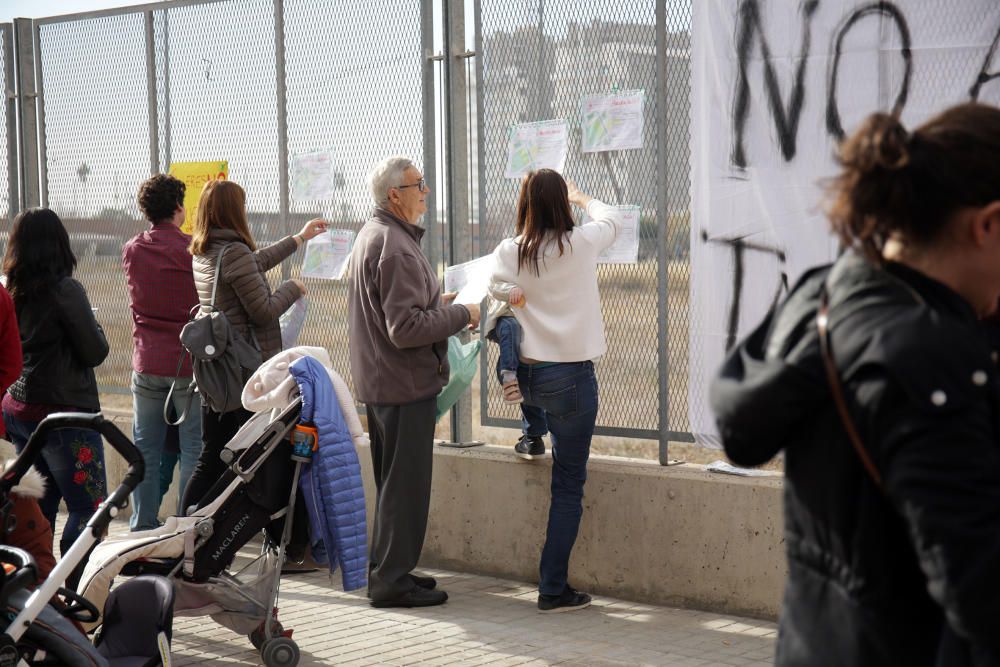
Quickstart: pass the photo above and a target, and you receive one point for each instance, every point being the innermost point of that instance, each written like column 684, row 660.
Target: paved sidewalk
column 487, row 621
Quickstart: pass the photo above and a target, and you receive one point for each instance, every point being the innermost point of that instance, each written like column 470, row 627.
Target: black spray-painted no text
column 751, row 31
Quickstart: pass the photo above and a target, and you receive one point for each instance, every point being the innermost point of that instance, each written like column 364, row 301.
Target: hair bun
column 881, row 143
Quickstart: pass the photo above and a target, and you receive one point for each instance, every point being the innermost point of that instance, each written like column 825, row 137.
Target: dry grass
column 627, row 374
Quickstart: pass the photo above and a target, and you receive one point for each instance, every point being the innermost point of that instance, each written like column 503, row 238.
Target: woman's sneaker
column 570, row 600
column 530, row 447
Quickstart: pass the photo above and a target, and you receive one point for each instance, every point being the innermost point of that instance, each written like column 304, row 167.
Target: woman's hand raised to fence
column 577, row 197
column 313, row 228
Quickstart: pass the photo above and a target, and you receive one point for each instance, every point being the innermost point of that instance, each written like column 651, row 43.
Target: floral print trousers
column 72, row 463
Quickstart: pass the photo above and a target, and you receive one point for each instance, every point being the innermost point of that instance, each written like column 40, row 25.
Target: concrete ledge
column 671, row 535
column 675, row 535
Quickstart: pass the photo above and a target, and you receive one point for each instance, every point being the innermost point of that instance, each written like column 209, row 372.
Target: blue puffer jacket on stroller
column 331, row 485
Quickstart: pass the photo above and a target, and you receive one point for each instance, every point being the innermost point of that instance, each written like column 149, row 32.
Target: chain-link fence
column 118, row 94
column 538, row 59
column 258, row 83
column 214, row 81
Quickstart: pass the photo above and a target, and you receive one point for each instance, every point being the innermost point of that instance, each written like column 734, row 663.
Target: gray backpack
column 222, row 359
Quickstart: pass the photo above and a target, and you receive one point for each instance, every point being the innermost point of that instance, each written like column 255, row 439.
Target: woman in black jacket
column 61, row 343
column 876, row 378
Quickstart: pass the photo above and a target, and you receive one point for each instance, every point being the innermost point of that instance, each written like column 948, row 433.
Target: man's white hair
column 387, row 174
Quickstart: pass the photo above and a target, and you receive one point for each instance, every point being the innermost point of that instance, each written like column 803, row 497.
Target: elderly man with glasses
column 399, row 329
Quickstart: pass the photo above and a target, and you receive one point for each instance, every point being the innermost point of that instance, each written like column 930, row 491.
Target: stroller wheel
column 280, row 652
column 257, row 637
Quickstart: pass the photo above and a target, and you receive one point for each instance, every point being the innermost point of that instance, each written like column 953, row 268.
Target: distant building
column 528, row 77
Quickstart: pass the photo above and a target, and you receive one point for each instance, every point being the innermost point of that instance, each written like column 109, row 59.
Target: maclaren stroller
column 137, row 615
column 258, row 492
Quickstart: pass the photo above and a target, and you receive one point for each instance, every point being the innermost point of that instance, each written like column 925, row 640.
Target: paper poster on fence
column 532, row 146
column 194, row 175
column 470, row 279
column 774, row 88
column 612, row 122
column 327, row 254
column 313, row 176
column 625, row 249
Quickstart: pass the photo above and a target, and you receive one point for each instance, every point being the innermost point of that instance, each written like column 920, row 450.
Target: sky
column 11, row 9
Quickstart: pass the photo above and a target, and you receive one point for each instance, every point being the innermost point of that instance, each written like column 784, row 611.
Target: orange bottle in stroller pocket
column 305, row 441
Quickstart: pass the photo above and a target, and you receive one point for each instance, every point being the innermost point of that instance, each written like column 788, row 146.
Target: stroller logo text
column 232, row 536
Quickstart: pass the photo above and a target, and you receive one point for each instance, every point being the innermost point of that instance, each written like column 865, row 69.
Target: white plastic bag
column 291, row 322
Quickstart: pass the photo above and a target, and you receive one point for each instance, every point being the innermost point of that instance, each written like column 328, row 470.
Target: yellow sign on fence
column 195, row 175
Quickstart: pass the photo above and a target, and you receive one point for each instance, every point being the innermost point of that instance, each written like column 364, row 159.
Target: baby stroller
column 138, row 616
column 258, row 492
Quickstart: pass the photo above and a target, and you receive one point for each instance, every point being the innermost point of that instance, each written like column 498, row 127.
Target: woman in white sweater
column 554, row 262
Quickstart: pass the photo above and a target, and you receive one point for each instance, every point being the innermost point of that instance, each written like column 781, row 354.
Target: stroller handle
column 92, row 421
column 25, row 574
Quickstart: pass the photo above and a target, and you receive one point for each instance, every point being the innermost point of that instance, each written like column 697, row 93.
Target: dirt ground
column 627, row 374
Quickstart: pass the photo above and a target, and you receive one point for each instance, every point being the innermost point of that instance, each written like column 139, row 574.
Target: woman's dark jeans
column 567, row 393
column 72, row 463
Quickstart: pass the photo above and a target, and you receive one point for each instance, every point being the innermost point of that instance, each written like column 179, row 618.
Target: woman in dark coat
column 62, row 343
column 876, row 378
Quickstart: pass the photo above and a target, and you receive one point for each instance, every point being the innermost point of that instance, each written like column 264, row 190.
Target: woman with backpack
column 61, row 344
column 244, row 296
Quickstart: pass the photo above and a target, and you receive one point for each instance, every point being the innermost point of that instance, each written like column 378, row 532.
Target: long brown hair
column 542, row 207
column 911, row 183
column 222, row 205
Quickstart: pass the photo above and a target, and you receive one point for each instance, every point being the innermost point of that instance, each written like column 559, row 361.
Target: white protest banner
column 327, row 254
column 625, row 249
column 532, row 146
column 611, row 122
column 775, row 85
column 313, row 176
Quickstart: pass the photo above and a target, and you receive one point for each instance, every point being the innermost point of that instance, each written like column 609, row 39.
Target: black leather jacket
column 905, row 576
column 61, row 343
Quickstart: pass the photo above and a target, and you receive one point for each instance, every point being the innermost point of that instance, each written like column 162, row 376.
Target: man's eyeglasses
column 420, row 185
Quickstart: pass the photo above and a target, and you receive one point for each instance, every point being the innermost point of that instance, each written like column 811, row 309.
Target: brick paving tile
column 487, row 621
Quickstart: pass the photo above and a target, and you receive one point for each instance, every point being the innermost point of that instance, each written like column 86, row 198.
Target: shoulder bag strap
column 218, row 270
column 837, row 390
column 180, row 361
column 215, row 285
column 170, row 395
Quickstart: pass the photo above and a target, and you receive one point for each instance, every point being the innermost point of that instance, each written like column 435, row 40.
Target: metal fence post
column 43, row 162
column 279, row 73
column 428, row 59
column 154, row 123
column 24, row 46
column 662, row 221
column 456, row 173
column 166, row 90
column 10, row 109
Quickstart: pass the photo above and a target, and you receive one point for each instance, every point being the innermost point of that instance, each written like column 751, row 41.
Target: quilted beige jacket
column 244, row 294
